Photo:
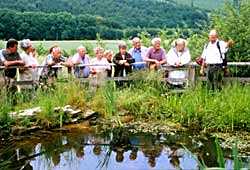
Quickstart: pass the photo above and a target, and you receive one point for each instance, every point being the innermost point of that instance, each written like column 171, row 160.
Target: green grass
column 226, row 110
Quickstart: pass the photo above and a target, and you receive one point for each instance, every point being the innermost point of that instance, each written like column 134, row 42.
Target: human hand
column 127, row 64
column 230, row 43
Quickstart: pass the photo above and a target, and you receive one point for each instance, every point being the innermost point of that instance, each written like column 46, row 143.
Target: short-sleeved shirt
column 158, row 55
column 49, row 71
column 81, row 71
column 139, row 56
column 211, row 52
column 5, row 56
column 30, row 73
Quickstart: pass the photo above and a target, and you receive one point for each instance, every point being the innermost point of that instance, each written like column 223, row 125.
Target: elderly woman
column 30, row 73
column 123, row 61
column 108, row 54
column 178, row 56
column 100, row 64
column 81, row 58
column 156, row 56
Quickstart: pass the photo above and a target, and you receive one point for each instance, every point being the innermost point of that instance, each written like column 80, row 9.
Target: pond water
column 112, row 151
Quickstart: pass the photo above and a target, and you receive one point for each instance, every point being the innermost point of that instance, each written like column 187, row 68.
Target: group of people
column 105, row 64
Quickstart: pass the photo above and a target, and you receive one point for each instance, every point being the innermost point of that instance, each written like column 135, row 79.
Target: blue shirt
column 138, row 55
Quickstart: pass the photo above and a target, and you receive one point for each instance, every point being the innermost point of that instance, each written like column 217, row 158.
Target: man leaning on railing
column 10, row 57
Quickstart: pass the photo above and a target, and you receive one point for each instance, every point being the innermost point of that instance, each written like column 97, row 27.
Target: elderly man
column 138, row 52
column 213, row 55
column 178, row 56
column 81, row 58
column 156, row 56
column 54, row 58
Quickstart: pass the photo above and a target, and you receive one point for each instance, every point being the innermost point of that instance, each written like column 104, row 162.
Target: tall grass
column 147, row 97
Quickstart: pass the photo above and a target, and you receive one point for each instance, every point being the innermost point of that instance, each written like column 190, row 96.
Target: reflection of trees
column 57, row 147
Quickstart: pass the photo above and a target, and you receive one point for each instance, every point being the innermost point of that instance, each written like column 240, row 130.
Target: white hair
column 155, row 40
column 56, row 49
column 25, row 44
column 181, row 41
column 81, row 47
column 213, row 32
column 98, row 49
column 136, row 39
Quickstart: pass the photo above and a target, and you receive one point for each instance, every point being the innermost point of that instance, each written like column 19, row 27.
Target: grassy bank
column 147, row 99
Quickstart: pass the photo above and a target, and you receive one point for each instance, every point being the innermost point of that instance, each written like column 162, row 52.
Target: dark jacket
column 120, row 67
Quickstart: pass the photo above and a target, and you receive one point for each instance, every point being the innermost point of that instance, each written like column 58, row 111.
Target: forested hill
column 128, row 13
column 102, row 16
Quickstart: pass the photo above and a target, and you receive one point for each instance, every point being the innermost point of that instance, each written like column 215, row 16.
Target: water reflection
column 115, row 151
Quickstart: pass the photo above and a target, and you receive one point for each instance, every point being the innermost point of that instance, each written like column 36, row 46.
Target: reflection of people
column 79, row 151
column 56, row 158
column 119, row 155
column 133, row 154
column 152, row 153
column 97, row 150
column 174, row 157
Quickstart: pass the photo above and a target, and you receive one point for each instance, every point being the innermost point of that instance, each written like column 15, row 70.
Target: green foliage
column 220, row 156
column 41, row 50
column 60, row 20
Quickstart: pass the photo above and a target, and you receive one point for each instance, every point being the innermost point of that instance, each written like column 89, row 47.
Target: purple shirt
column 158, row 55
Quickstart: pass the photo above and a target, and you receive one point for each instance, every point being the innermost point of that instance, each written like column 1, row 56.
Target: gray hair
column 213, row 32
column 81, row 47
column 25, row 44
column 155, row 40
column 98, row 49
column 180, row 41
column 122, row 45
column 136, row 39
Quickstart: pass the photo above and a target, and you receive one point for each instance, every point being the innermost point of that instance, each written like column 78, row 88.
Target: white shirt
column 180, row 58
column 211, row 53
column 30, row 73
column 103, row 62
column 78, row 59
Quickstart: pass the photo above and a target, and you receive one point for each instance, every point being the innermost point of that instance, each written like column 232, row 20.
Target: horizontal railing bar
column 112, row 64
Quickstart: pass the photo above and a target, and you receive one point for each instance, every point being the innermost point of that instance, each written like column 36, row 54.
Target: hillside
column 82, row 19
column 129, row 13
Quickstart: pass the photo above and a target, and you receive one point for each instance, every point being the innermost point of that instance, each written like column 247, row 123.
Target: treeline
column 82, row 19
column 63, row 26
column 128, row 13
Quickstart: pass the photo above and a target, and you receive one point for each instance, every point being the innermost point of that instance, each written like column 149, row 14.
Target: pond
column 117, row 150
